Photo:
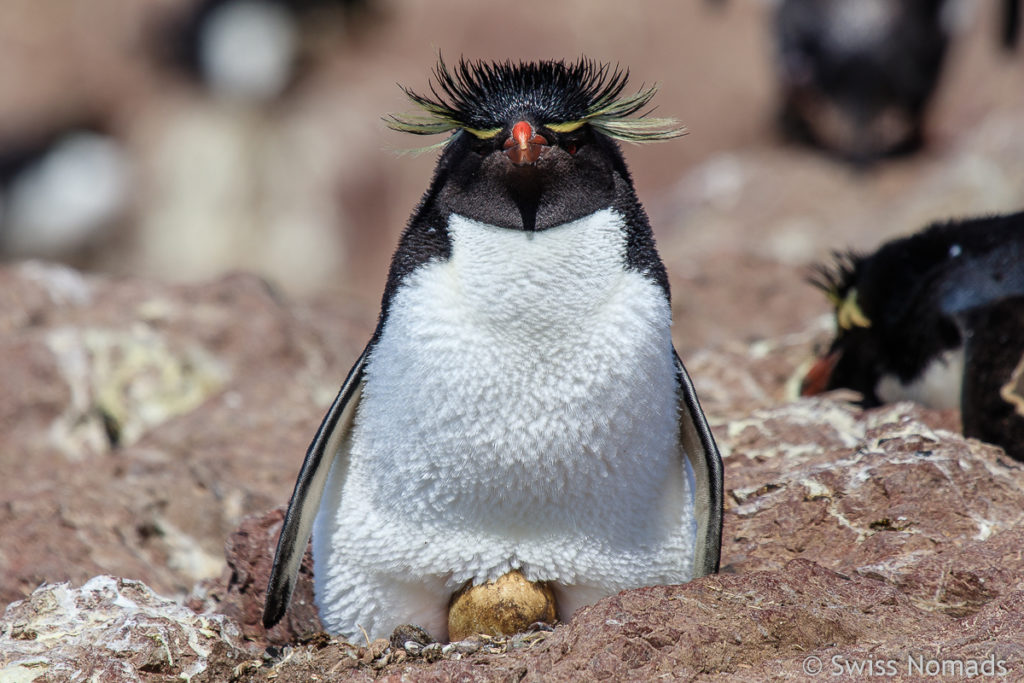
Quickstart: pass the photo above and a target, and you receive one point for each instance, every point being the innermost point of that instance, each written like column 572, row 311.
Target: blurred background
column 182, row 139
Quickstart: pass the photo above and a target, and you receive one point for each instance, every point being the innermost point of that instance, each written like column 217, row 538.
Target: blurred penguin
column 936, row 318
column 246, row 50
column 1009, row 26
column 61, row 191
column 857, row 75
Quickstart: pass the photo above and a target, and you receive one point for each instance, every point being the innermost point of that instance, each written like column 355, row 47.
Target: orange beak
column 523, row 146
column 816, row 379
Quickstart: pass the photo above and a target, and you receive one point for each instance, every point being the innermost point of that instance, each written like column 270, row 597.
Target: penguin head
column 532, row 145
column 854, row 359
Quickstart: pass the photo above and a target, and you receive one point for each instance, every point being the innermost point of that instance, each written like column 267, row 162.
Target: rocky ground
column 143, row 423
column 151, row 429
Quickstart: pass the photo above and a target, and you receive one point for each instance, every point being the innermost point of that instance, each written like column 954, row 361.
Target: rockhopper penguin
column 520, row 406
column 937, row 318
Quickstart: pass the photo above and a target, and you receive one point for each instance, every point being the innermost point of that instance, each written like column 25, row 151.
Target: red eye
column 571, row 148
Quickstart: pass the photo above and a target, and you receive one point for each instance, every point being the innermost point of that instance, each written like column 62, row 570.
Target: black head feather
column 483, row 98
column 837, row 278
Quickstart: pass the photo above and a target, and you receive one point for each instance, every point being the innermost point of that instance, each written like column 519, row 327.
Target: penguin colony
column 520, row 408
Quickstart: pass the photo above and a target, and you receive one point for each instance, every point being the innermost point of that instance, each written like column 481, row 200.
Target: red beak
column 816, row 379
column 524, row 146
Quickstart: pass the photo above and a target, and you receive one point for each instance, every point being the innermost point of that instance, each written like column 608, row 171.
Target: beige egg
column 502, row 607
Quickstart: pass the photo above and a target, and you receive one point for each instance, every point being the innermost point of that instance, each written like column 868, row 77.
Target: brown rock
column 114, row 630
column 850, row 536
column 722, row 624
column 241, row 593
column 875, row 493
column 140, row 422
column 755, row 626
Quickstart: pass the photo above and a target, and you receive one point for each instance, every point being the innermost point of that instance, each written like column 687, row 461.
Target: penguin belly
column 937, row 386
column 519, row 412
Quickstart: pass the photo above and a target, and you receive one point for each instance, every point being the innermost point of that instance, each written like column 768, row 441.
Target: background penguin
column 246, row 50
column 857, row 75
column 1009, row 25
column 934, row 318
column 62, row 190
column 520, row 406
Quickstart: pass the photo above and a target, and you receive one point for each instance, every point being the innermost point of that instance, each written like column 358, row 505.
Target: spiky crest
column 837, row 277
column 838, row 280
column 482, row 98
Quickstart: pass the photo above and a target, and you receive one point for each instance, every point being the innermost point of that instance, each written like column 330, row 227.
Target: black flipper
column 298, row 522
column 699, row 446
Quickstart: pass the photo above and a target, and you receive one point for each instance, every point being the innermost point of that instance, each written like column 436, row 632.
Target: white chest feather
column 938, row 386
column 523, row 385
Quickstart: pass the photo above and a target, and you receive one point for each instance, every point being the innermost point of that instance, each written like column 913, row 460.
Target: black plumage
column 62, row 187
column 1009, row 25
column 483, row 95
column 992, row 397
column 901, row 308
column 183, row 40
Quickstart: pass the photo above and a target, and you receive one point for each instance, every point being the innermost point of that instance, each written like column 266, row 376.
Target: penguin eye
column 484, row 147
column 573, row 143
